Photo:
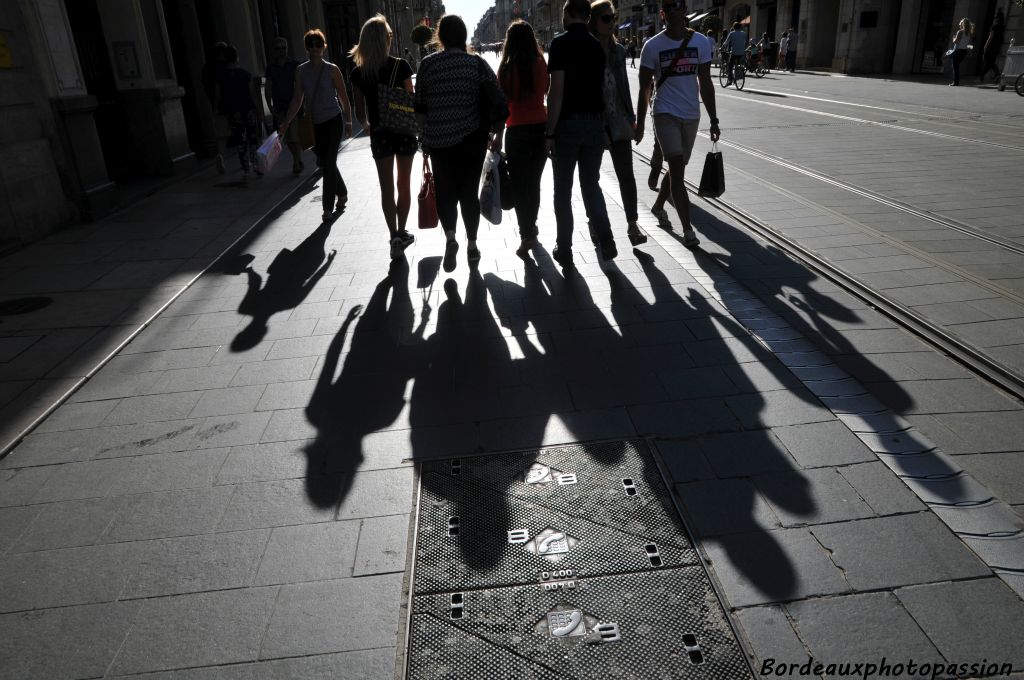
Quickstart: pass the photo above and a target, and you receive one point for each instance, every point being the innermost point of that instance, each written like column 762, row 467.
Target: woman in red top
column 523, row 77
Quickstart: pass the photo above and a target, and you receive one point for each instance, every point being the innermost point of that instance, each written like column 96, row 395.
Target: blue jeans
column 582, row 142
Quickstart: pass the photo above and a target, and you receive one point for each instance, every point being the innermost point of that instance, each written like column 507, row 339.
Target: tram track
column 977, row 361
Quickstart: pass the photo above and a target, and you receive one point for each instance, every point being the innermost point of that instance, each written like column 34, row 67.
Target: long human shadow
column 291, row 276
column 790, row 291
column 367, row 395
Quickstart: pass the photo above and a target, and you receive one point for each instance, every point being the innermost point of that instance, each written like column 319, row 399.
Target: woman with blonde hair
column 961, row 47
column 523, row 76
column 389, row 148
column 620, row 121
column 321, row 86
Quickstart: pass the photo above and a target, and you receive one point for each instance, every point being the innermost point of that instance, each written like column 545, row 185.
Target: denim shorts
column 676, row 135
column 384, row 144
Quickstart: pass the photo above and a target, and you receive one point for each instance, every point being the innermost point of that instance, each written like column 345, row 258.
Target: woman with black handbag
column 523, row 75
column 457, row 103
column 382, row 86
column 620, row 121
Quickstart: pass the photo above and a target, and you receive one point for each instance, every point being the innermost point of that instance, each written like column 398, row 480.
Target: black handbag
column 395, row 107
column 712, row 180
column 492, row 104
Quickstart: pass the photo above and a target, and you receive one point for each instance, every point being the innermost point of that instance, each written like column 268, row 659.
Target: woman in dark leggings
column 523, row 76
column 447, row 102
column 321, row 86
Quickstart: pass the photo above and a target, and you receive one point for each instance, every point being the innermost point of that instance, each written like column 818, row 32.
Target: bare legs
column 396, row 213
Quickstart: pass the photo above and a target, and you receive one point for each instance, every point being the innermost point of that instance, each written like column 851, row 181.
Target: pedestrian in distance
column 993, row 46
column 523, row 77
column 320, row 85
column 734, row 46
column 390, row 149
column 791, row 52
column 620, row 122
column 236, row 99
column 209, row 77
column 631, row 50
column 714, row 44
column 680, row 59
column 961, row 47
column 574, row 135
column 448, row 90
column 783, row 50
column 278, row 91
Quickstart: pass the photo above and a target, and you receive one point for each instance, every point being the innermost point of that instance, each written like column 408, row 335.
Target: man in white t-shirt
column 680, row 59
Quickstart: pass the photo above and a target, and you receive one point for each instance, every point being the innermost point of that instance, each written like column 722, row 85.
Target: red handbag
column 427, row 198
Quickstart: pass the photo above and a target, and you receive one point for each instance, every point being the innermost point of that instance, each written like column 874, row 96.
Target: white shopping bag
column 490, row 189
column 268, row 153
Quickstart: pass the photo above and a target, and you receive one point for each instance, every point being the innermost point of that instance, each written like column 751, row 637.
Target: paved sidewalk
column 231, row 495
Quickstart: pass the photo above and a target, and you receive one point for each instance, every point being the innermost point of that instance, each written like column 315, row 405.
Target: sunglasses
column 607, row 18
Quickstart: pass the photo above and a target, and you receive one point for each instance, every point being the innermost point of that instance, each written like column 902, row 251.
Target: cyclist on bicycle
column 753, row 54
column 734, row 49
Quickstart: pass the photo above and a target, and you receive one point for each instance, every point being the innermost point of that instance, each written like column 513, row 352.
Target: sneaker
column 690, row 239
column 608, row 250
column 562, row 256
column 636, row 235
column 662, row 216
column 472, row 254
column 525, row 246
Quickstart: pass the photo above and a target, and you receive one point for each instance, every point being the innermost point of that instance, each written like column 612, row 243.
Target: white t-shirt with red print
column 679, row 94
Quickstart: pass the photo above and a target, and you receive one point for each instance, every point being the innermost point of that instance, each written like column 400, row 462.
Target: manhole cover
column 568, row 562
column 23, row 305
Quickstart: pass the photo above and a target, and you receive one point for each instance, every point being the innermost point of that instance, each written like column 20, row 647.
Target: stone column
column 136, row 36
column 909, row 35
column 82, row 162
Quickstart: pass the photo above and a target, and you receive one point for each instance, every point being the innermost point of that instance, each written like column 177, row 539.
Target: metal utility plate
column 566, row 562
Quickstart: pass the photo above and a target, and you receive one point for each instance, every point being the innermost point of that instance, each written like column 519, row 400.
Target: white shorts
column 675, row 135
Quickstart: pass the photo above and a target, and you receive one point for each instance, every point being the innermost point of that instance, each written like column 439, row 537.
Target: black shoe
column 608, row 250
column 562, row 257
column 451, row 249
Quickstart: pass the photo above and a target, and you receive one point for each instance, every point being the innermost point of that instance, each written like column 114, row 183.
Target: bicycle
column 1019, row 85
column 757, row 66
column 739, row 75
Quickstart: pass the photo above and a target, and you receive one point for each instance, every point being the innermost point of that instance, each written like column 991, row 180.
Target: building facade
column 103, row 98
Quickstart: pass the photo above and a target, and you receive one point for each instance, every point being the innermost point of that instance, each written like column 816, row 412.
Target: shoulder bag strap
column 679, row 56
column 394, row 72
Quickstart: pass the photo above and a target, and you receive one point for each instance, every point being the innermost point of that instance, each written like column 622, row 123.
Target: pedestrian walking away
column 993, row 46
column 734, row 47
column 278, row 91
column 632, row 53
column 680, row 59
column 791, row 52
column 714, row 45
column 321, row 86
column 236, row 99
column 209, row 77
column 575, row 129
column 783, row 51
column 961, row 47
column 448, row 90
column 523, row 76
column 620, row 122
column 390, row 149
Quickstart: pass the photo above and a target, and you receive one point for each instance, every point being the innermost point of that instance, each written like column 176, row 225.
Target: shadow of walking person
column 290, row 278
column 368, row 394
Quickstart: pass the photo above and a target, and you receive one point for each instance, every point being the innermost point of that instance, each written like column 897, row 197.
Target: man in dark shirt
column 280, row 84
column 575, row 128
column 993, row 46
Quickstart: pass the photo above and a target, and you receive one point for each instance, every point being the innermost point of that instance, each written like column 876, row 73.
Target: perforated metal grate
column 568, row 562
